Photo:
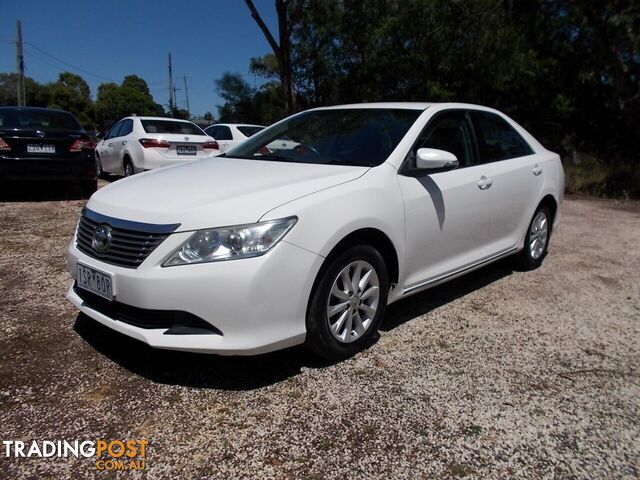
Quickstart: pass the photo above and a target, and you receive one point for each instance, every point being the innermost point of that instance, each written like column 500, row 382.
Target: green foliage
column 568, row 71
column 72, row 93
column 618, row 179
column 131, row 97
column 247, row 105
column 36, row 95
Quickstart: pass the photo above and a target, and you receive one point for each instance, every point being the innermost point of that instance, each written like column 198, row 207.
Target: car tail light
column 154, row 143
column 211, row 145
column 81, row 144
column 4, row 145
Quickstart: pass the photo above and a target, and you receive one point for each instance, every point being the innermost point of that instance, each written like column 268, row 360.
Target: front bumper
column 258, row 304
column 50, row 169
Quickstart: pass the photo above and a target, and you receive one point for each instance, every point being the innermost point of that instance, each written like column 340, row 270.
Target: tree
column 131, row 97
column 36, row 94
column 71, row 92
column 287, row 11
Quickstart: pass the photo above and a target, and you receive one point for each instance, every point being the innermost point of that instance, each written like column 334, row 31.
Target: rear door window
column 223, row 133
column 497, row 140
column 127, row 127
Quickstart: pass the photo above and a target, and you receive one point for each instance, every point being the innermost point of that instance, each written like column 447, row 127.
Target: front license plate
column 96, row 282
column 186, row 149
column 41, row 149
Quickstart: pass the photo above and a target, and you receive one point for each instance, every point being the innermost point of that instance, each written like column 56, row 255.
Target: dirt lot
column 500, row 374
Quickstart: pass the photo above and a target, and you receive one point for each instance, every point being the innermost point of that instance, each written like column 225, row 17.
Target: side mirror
column 431, row 159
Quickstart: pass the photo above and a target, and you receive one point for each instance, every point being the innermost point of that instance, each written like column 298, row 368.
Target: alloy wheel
column 353, row 301
column 538, row 235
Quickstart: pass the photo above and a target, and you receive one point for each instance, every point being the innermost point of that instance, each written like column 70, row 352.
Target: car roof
column 35, row 109
column 141, row 117
column 405, row 105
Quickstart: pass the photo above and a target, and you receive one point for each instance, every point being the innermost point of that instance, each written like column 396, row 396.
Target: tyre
column 536, row 241
column 127, row 167
column 348, row 303
column 99, row 170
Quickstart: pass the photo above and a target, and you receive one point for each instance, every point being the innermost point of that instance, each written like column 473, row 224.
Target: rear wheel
column 99, row 170
column 348, row 303
column 536, row 241
column 128, row 167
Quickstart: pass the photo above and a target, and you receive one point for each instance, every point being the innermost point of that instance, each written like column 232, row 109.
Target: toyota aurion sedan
column 256, row 250
column 136, row 144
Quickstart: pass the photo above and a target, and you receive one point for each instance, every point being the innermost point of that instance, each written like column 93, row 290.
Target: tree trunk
column 282, row 51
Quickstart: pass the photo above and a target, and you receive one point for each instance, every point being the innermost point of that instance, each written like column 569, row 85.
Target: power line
column 86, row 72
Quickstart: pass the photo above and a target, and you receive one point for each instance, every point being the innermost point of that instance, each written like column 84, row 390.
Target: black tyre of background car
column 319, row 338
column 99, row 170
column 127, row 172
column 524, row 259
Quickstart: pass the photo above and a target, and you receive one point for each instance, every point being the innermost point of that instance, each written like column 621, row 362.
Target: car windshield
column 170, row 126
column 353, row 136
column 38, row 119
column 249, row 130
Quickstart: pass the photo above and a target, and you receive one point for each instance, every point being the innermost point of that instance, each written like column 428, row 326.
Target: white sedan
column 261, row 250
column 136, row 144
column 229, row 135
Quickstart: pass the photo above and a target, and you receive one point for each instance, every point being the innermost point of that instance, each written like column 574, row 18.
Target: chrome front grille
column 130, row 243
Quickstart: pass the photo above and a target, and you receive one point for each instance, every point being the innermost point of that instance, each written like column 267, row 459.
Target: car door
column 105, row 149
column 447, row 213
column 226, row 138
column 119, row 143
column 517, row 176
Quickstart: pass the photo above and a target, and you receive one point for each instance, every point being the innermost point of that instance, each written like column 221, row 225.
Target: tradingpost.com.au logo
column 108, row 454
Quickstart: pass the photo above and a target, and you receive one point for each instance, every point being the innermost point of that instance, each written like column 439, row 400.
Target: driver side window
column 452, row 133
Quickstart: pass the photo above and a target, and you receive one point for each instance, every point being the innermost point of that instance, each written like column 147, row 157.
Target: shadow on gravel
column 194, row 369
column 247, row 373
column 421, row 303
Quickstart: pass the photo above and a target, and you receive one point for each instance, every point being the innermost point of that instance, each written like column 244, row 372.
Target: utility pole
column 172, row 88
column 22, row 98
column 186, row 93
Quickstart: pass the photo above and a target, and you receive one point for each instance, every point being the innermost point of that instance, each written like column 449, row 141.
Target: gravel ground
column 500, row 374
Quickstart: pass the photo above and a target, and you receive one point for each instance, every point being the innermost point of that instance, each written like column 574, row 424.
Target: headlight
column 230, row 243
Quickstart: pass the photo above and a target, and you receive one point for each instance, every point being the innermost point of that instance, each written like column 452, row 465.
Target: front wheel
column 536, row 241
column 348, row 303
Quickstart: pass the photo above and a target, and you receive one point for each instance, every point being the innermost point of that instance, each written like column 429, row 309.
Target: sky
column 104, row 41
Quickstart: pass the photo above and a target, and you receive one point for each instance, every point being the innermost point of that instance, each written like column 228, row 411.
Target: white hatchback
column 136, row 144
column 258, row 249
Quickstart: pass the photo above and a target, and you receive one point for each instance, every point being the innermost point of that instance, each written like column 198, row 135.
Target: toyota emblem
column 101, row 238
column 40, row 133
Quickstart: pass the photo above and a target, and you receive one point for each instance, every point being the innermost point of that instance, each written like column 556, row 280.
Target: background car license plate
column 41, row 149
column 186, row 149
column 96, row 282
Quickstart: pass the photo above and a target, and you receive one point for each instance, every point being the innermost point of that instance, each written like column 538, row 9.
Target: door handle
column 537, row 170
column 485, row 183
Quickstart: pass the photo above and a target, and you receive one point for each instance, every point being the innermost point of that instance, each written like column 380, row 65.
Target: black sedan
column 45, row 145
